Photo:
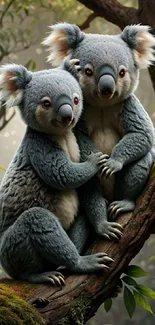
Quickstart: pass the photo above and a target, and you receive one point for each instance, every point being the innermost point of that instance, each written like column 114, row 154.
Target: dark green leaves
column 108, row 304
column 135, row 293
column 145, row 291
column 128, row 280
column 135, row 271
column 129, row 301
column 142, row 302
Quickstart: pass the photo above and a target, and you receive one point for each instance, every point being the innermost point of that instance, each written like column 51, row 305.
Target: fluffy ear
column 72, row 66
column 141, row 42
column 61, row 41
column 13, row 79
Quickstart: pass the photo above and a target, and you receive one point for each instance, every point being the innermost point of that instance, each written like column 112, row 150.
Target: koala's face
column 109, row 71
column 109, row 64
column 49, row 101
column 53, row 101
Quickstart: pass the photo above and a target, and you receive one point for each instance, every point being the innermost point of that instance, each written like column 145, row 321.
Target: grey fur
column 38, row 200
column 113, row 117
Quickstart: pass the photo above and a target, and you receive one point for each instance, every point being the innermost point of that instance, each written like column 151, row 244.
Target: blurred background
column 23, row 26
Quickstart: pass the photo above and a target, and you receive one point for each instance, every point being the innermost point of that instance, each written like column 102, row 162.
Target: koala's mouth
column 107, row 96
column 64, row 124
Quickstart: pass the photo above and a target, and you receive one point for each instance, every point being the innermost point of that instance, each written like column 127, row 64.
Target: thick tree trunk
column 83, row 294
column 122, row 16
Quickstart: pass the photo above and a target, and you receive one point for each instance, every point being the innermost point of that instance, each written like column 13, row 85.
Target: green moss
column 15, row 311
column 23, row 289
column 77, row 312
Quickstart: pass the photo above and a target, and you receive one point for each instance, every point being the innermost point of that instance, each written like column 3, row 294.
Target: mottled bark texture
column 120, row 15
column 83, row 294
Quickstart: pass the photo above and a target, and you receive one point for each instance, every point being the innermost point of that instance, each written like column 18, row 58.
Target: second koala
column 115, row 119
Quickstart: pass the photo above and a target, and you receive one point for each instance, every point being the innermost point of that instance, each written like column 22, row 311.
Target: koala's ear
column 62, row 41
column 141, row 42
column 13, row 79
column 73, row 67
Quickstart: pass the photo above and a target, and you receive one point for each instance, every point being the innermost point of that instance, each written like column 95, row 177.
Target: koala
column 113, row 117
column 41, row 225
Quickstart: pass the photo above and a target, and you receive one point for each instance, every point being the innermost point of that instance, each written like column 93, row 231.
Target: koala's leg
column 37, row 237
column 79, row 232
column 95, row 207
column 129, row 183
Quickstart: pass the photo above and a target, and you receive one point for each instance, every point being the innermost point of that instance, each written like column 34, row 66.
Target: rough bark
column 116, row 13
column 83, row 294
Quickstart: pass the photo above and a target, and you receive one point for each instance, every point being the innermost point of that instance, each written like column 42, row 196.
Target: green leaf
column 2, row 168
column 107, row 304
column 135, row 271
column 129, row 280
column 145, row 291
column 129, row 301
column 142, row 302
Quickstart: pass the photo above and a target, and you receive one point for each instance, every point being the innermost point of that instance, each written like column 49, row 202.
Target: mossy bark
column 83, row 294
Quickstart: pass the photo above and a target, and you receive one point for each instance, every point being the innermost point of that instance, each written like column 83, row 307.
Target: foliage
column 18, row 18
column 134, row 293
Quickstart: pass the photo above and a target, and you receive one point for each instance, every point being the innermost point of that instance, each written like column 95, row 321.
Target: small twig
column 5, row 11
column 87, row 22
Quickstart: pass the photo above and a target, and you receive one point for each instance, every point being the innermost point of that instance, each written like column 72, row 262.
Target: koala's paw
column 110, row 230
column 93, row 263
column 98, row 159
column 117, row 207
column 110, row 166
column 53, row 277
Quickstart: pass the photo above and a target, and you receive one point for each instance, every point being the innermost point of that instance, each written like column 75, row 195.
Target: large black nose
column 106, row 85
column 65, row 113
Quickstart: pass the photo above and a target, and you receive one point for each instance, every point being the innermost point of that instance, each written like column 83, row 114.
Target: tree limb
column 88, row 20
column 5, row 11
column 83, row 294
column 113, row 11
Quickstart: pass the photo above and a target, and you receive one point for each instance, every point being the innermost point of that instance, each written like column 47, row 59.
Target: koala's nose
column 65, row 114
column 106, row 85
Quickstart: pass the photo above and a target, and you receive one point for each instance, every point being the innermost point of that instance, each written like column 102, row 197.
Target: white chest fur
column 69, row 144
column 68, row 202
column 105, row 130
column 104, row 127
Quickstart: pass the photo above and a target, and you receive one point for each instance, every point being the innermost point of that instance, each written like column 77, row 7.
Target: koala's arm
column 54, row 166
column 138, row 133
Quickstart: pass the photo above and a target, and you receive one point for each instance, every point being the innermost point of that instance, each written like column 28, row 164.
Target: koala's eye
column 76, row 100
column 88, row 72
column 46, row 102
column 122, row 73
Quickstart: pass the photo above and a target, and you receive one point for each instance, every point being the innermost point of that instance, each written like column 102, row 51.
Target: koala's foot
column 110, row 167
column 110, row 230
column 93, row 263
column 53, row 277
column 117, row 207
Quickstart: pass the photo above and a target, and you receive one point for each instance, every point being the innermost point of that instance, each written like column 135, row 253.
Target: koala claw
column 56, row 278
column 117, row 207
column 106, row 236
column 110, row 167
column 110, row 229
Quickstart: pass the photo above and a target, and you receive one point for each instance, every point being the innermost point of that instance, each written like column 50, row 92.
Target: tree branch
column 88, row 20
column 113, row 11
column 83, row 294
column 5, row 11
